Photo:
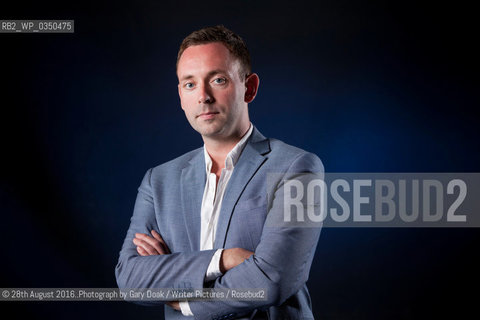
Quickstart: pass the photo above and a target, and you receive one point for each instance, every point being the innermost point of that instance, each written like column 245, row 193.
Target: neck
column 218, row 148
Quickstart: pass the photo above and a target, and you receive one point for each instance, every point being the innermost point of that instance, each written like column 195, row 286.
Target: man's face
column 211, row 91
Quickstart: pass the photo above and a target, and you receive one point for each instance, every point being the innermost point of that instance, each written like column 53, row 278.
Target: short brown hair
column 219, row 33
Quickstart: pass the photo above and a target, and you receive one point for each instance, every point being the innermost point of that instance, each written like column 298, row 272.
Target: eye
column 188, row 85
column 220, row 80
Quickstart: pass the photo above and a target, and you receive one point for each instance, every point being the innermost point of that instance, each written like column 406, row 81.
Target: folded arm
column 180, row 270
column 155, row 245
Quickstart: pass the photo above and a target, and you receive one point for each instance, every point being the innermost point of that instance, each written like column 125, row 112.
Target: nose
column 205, row 95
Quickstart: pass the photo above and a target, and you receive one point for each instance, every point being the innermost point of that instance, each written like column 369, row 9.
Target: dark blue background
column 369, row 86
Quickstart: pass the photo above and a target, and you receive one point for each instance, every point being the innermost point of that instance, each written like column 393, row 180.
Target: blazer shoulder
column 286, row 150
column 176, row 165
column 292, row 154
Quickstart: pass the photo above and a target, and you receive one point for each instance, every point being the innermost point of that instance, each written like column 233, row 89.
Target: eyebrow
column 210, row 74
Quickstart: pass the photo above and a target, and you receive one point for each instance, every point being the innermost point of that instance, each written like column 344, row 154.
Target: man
column 202, row 220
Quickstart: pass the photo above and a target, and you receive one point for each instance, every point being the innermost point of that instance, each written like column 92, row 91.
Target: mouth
column 207, row 115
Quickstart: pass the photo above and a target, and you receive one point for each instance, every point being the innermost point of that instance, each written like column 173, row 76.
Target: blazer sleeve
column 179, row 270
column 282, row 259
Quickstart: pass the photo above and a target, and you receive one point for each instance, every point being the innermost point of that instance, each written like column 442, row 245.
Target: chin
column 209, row 130
column 209, row 133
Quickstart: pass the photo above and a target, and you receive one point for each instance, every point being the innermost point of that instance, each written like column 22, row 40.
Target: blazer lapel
column 192, row 186
column 249, row 162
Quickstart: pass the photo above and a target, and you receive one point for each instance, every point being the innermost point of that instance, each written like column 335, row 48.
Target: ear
column 180, row 96
column 251, row 84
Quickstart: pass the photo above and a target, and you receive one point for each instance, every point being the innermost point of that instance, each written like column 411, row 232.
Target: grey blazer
column 169, row 201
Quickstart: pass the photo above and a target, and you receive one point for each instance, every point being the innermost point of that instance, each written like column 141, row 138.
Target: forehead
column 202, row 59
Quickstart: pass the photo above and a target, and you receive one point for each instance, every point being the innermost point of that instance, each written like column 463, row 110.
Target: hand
column 233, row 257
column 174, row 304
column 148, row 246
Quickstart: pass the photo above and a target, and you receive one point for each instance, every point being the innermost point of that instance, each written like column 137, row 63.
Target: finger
column 154, row 243
column 174, row 304
column 146, row 246
column 157, row 236
column 142, row 251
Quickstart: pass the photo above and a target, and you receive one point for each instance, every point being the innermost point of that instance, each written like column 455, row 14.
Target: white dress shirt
column 211, row 205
